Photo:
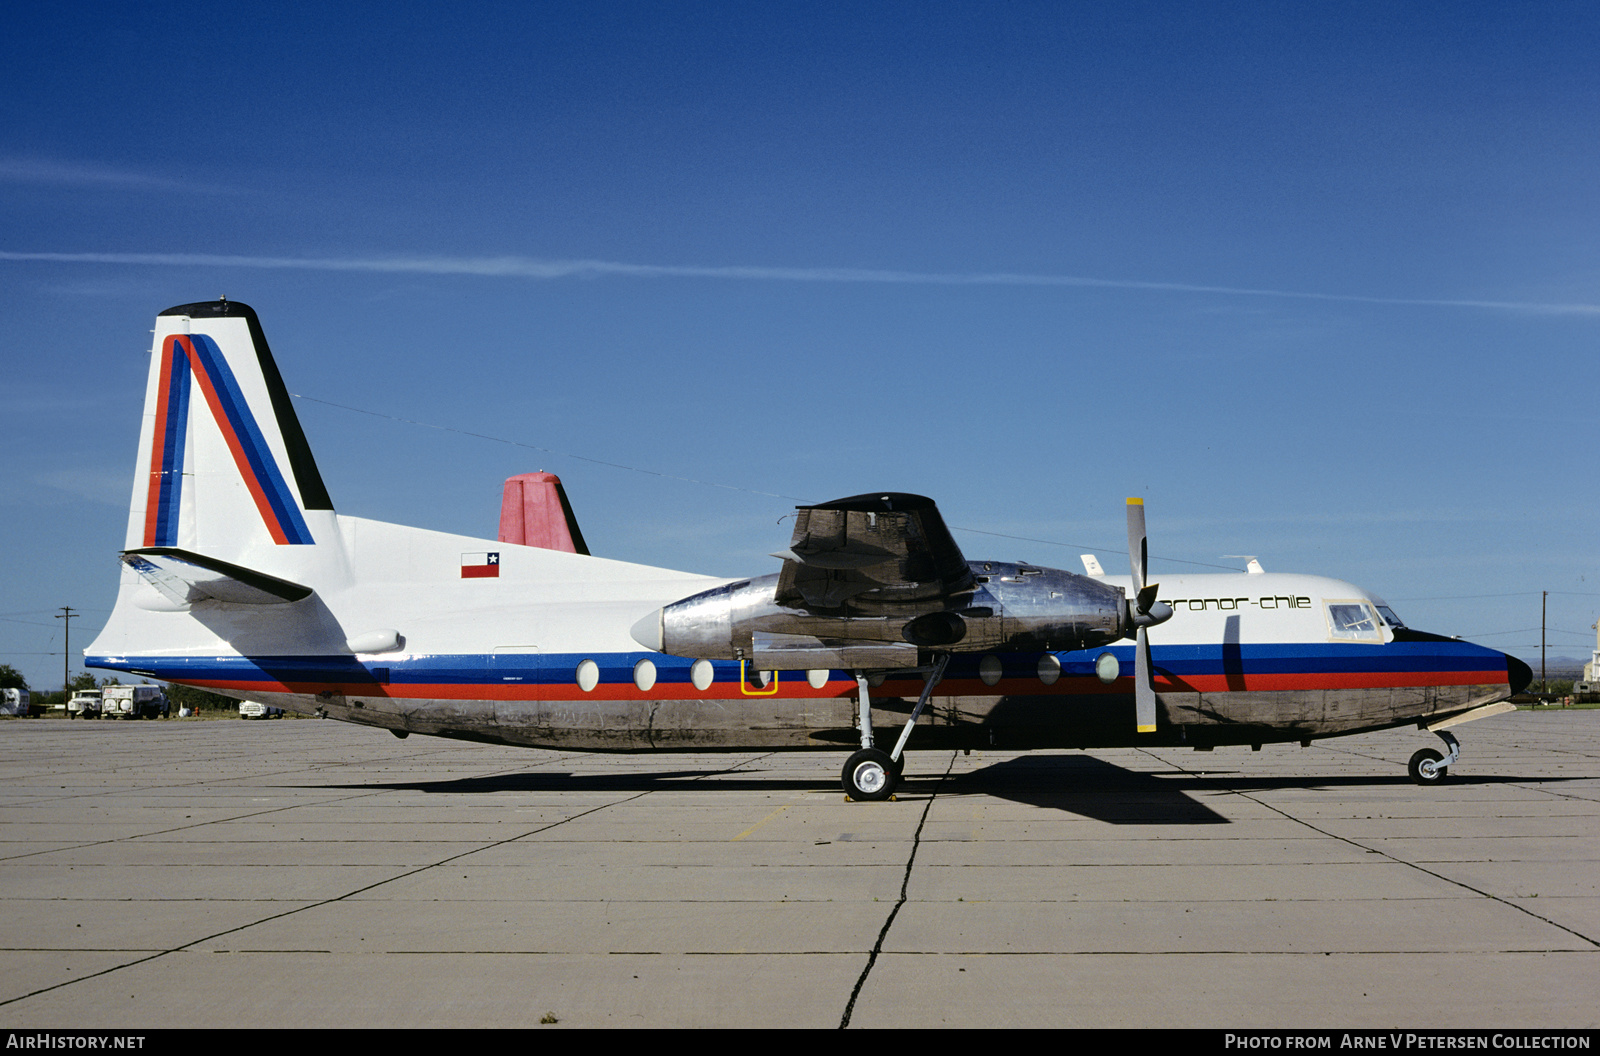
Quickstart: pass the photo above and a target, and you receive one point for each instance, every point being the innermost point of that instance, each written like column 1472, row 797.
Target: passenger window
column 1353, row 621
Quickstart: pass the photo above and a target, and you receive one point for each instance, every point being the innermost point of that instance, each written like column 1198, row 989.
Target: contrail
column 537, row 268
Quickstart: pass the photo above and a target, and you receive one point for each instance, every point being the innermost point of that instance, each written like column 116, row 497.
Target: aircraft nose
column 647, row 632
column 1518, row 674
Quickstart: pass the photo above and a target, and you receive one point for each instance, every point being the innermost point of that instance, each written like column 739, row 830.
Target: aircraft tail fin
column 224, row 468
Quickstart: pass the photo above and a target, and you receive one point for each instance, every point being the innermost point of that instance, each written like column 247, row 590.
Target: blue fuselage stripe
column 558, row 669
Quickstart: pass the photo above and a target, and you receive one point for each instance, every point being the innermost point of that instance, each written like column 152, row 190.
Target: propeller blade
column 1138, row 554
column 1144, row 691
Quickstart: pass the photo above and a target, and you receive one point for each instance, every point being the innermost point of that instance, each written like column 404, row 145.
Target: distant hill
column 1556, row 666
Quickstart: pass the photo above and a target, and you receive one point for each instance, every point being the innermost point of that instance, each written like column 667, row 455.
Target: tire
column 869, row 775
column 1424, row 768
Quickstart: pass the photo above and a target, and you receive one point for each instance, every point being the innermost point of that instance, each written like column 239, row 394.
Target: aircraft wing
column 892, row 546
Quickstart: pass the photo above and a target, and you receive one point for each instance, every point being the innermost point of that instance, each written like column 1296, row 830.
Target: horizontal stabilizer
column 186, row 578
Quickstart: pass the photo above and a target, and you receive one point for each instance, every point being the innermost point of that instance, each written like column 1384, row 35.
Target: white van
column 14, row 702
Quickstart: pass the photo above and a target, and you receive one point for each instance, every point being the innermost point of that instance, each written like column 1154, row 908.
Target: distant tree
column 83, row 681
column 198, row 699
column 11, row 678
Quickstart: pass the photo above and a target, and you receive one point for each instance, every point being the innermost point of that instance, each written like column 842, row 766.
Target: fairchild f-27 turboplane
column 876, row 635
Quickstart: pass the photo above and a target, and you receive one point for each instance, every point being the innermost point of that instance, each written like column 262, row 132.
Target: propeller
column 1144, row 612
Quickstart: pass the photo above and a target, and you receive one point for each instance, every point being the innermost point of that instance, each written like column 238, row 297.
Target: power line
column 1513, row 594
column 1091, row 546
column 708, row 483
column 549, row 450
column 795, row 498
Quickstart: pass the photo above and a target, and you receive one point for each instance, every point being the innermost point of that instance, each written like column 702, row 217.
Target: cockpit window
column 1390, row 618
column 1353, row 621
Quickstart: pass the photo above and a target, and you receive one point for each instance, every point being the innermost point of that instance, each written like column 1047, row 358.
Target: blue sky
column 1320, row 281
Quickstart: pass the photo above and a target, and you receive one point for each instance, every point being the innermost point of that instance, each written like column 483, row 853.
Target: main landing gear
column 871, row 773
column 1428, row 767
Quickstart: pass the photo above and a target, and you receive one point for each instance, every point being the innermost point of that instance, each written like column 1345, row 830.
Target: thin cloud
column 72, row 174
column 545, row 269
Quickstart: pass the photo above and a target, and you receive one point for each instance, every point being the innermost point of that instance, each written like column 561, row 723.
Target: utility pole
column 66, row 654
column 1544, row 684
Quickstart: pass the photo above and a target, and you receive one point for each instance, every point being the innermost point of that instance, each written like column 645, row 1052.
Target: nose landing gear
column 1428, row 767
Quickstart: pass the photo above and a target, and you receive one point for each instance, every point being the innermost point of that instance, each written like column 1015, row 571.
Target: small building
column 1589, row 688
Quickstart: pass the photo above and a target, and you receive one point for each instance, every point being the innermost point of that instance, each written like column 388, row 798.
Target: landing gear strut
column 872, row 774
column 1428, row 767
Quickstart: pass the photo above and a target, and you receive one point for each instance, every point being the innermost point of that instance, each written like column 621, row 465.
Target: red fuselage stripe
column 800, row 688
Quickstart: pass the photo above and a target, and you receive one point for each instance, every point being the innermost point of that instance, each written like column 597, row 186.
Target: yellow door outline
column 744, row 687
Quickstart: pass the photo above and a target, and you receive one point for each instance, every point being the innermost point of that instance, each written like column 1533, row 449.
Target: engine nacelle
column 1010, row 608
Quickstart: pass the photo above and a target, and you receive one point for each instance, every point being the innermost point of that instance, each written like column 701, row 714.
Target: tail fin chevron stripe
column 198, row 354
column 166, row 456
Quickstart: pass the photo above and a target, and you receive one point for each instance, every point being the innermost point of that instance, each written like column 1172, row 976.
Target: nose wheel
column 1428, row 767
column 1424, row 767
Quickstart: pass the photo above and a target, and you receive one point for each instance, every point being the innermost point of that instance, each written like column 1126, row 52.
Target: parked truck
column 133, row 702
column 85, row 704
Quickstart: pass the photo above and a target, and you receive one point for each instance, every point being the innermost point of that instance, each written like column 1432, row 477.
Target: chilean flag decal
column 480, row 566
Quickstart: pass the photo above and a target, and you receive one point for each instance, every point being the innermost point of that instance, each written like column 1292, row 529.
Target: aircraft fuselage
column 239, row 576
column 1245, row 659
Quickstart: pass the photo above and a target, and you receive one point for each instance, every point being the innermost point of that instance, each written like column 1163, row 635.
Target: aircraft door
column 515, row 684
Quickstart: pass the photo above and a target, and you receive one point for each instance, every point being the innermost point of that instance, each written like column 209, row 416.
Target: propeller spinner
column 1144, row 612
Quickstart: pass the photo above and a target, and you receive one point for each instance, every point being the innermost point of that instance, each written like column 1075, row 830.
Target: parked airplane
column 238, row 576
